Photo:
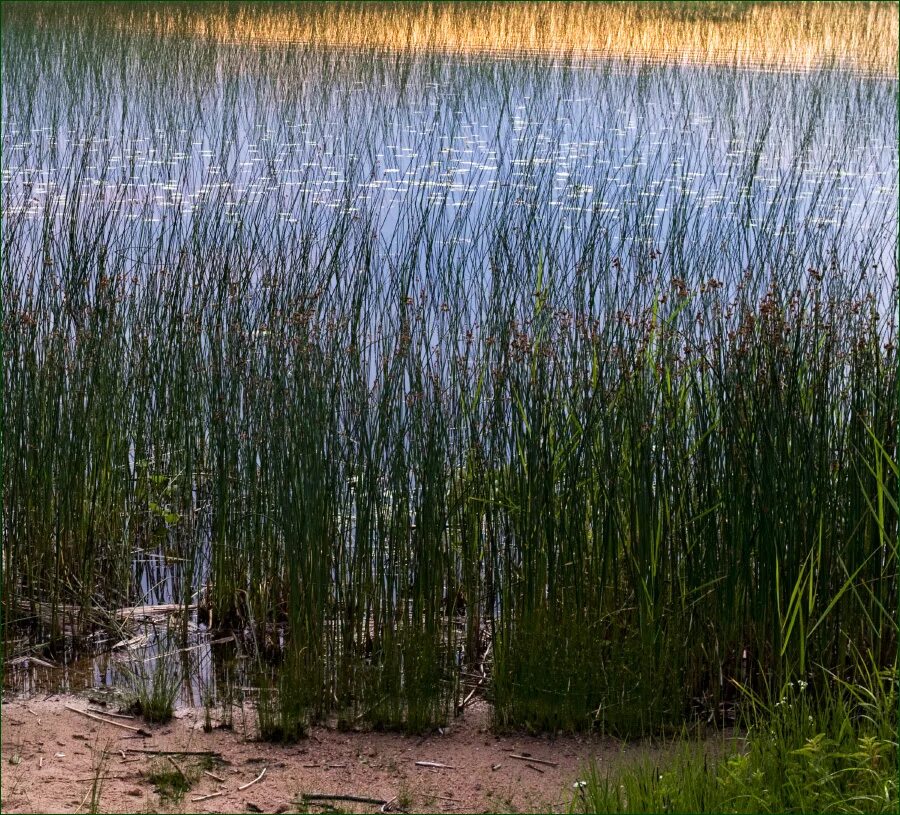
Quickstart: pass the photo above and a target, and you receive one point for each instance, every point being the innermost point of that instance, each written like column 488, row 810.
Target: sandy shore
column 50, row 754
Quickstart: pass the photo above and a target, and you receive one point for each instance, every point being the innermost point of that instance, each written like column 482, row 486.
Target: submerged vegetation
column 391, row 359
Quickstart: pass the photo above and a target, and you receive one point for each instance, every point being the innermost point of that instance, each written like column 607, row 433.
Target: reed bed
column 389, row 360
column 858, row 36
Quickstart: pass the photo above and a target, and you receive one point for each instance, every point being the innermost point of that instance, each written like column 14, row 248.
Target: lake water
column 445, row 157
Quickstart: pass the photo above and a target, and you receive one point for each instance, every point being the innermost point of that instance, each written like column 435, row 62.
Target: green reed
column 623, row 461
column 827, row 746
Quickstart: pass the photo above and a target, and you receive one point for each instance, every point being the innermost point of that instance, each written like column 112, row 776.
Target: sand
column 50, row 755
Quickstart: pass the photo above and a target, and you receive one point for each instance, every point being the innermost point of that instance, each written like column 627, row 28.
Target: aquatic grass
column 152, row 684
column 410, row 365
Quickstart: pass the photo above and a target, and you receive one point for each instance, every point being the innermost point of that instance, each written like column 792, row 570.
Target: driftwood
column 44, row 611
column 356, row 799
column 143, row 612
column 197, row 798
column 28, row 661
column 173, row 752
column 100, row 777
column 251, row 783
column 139, row 730
column 107, row 713
column 535, row 760
column 178, row 769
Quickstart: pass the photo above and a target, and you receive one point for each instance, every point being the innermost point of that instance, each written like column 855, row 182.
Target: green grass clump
column 827, row 749
column 152, row 687
column 283, row 706
column 170, row 780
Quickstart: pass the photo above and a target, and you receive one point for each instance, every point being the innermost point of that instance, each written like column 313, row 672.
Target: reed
column 829, row 749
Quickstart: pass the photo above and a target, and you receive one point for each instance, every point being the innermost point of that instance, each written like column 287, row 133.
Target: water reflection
column 210, row 669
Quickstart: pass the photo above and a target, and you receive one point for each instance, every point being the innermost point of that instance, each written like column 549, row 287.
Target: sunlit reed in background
column 780, row 36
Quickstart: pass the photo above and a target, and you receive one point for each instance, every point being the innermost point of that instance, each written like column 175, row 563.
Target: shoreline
column 51, row 754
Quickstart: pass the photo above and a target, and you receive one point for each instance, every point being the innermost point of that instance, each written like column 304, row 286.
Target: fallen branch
column 140, row 612
column 356, row 799
column 150, row 752
column 172, row 762
column 214, row 776
column 535, row 760
column 434, row 765
column 107, row 713
column 197, row 798
column 28, row 661
column 139, row 730
column 251, row 783
column 101, row 777
column 474, row 690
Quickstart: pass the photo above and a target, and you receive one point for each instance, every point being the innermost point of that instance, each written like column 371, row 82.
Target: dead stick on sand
column 436, row 765
column 107, row 713
column 149, row 752
column 100, row 777
column 139, row 730
column 357, row 799
column 251, row 783
column 214, row 776
column 535, row 760
column 172, row 762
column 197, row 798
